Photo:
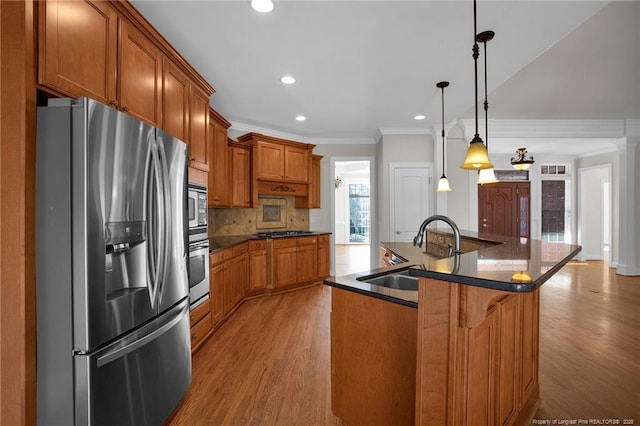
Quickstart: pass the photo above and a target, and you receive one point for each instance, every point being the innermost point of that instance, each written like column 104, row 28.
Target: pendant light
column 477, row 157
column 486, row 175
column 522, row 161
column 443, row 183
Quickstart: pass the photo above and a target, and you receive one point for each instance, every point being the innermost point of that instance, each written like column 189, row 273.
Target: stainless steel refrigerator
column 113, row 342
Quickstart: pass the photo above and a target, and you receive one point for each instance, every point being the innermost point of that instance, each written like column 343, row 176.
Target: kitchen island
column 467, row 355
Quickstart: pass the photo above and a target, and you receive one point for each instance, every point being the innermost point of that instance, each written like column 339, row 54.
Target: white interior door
column 410, row 200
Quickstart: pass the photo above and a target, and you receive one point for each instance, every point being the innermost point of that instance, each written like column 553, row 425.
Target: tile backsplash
column 238, row 221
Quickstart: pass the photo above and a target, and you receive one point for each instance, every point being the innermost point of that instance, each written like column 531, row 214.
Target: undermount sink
column 398, row 280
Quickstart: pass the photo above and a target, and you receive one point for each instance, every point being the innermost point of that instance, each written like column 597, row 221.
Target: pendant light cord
column 475, row 64
column 442, row 130
column 486, row 101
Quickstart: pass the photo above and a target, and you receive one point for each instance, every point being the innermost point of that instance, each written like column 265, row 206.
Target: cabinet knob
column 125, row 109
column 114, row 103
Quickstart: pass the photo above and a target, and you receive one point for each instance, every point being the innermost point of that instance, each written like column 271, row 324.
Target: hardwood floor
column 270, row 363
column 352, row 258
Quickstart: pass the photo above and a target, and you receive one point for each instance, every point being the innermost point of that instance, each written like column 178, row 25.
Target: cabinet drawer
column 200, row 330
column 257, row 244
column 307, row 241
column 323, row 239
column 220, row 256
column 199, row 312
column 284, row 242
column 240, row 248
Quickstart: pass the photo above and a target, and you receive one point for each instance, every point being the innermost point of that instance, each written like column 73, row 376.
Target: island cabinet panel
column 530, row 349
column 373, row 360
column 78, row 47
column 140, row 75
column 477, row 355
column 508, row 359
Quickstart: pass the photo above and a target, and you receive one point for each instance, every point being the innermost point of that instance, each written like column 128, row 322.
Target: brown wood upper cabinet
column 312, row 200
column 108, row 52
column 240, row 175
column 186, row 113
column 219, row 159
column 279, row 160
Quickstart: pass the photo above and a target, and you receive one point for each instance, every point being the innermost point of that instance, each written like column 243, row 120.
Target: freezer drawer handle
column 120, row 352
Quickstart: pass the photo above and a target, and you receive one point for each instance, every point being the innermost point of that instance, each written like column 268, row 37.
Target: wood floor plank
column 269, row 364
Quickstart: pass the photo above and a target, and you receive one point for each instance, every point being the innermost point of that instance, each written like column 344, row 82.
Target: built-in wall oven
column 198, row 271
column 198, row 246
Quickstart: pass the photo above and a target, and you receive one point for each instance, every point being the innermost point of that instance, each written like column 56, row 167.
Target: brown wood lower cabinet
column 258, row 262
column 258, row 267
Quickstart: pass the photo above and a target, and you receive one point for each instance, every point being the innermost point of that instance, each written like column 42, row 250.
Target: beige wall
column 398, row 149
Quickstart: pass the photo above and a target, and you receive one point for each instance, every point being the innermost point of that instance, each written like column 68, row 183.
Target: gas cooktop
column 276, row 234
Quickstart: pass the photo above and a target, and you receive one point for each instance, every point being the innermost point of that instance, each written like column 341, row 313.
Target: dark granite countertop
column 227, row 241
column 514, row 265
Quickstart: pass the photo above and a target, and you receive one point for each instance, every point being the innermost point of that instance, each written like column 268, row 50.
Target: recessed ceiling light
column 300, row 118
column 262, row 6
column 288, row 79
column 419, row 117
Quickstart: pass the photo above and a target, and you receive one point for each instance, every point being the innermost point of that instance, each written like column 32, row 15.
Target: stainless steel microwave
column 197, row 212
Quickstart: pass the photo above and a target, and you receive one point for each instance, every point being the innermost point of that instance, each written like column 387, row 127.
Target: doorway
column 352, row 215
column 504, row 208
column 594, row 212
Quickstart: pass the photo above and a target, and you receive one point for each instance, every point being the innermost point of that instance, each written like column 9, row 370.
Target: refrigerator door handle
column 165, row 207
column 137, row 344
column 157, row 227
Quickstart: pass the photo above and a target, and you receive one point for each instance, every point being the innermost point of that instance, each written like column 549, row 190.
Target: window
column 359, row 213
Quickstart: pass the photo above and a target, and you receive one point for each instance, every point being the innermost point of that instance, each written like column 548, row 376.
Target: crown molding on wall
column 541, row 129
column 632, row 127
column 403, row 131
column 243, row 127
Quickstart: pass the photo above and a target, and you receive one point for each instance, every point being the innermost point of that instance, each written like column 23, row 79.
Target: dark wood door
column 504, row 209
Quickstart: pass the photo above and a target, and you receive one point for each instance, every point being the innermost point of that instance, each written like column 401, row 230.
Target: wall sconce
column 522, row 161
column 338, row 181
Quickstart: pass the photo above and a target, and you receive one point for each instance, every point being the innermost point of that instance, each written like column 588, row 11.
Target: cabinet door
column 509, row 359
column 175, row 112
column 242, row 276
column 217, row 277
column 529, row 345
column 270, row 159
column 258, row 270
column 482, row 344
column 240, row 177
column 324, row 260
column 198, row 129
column 297, row 163
column 314, row 183
column 307, row 263
column 219, row 181
column 284, row 266
column 78, row 48
column 139, row 76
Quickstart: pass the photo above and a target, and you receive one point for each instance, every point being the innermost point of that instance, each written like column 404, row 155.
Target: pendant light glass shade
column 443, row 184
column 486, row 176
column 477, row 156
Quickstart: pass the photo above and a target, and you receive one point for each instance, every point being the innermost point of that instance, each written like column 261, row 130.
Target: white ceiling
column 367, row 65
